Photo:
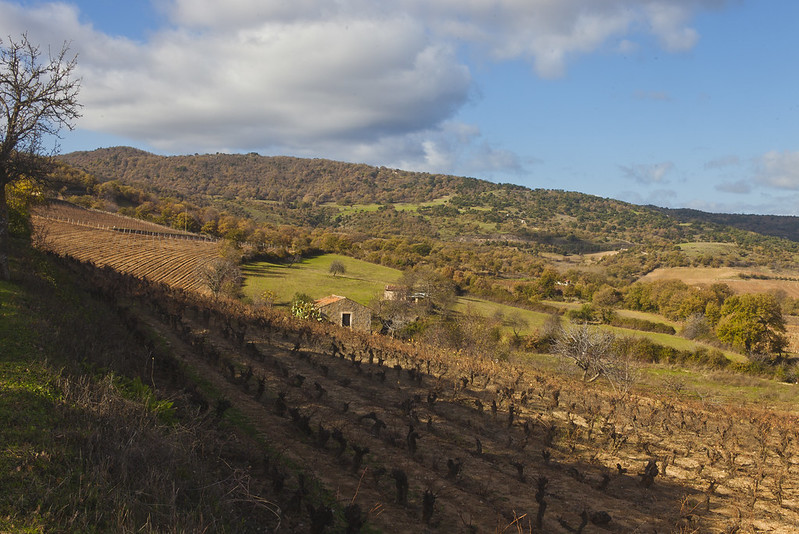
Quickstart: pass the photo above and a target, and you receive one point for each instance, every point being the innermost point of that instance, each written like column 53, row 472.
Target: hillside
column 127, row 245
column 403, row 437
column 783, row 226
column 280, row 179
column 364, row 201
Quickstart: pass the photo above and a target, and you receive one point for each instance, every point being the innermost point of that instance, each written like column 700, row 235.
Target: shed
column 345, row 312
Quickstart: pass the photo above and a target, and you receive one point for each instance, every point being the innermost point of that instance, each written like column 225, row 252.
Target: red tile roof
column 324, row 301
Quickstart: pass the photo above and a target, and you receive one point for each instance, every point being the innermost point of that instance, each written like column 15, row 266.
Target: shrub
column 641, row 324
column 303, row 306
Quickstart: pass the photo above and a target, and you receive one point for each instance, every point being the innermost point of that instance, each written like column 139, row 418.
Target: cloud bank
column 378, row 82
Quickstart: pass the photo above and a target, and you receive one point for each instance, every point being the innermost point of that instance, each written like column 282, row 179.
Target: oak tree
column 754, row 323
column 337, row 268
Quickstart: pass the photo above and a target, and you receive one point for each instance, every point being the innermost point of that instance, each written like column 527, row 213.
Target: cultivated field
column 704, row 276
column 143, row 249
column 412, row 439
column 72, row 214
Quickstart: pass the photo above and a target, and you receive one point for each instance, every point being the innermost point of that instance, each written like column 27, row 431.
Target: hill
column 281, row 179
column 345, row 196
column 783, row 226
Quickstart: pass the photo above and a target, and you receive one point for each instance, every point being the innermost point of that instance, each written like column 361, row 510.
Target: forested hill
column 783, row 226
column 320, row 193
column 277, row 178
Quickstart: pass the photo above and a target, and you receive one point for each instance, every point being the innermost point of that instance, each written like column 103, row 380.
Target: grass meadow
column 361, row 282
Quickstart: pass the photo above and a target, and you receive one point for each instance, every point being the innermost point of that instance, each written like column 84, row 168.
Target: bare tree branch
column 38, row 98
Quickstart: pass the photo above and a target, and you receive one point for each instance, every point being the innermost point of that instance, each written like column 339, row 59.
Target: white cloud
column 551, row 32
column 350, row 79
column 648, row 173
column 668, row 21
column 779, row 169
column 453, row 145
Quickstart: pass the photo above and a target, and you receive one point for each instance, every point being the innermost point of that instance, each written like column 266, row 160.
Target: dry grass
column 705, row 276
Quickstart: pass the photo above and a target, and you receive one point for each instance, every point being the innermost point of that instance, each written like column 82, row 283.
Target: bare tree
column 600, row 353
column 220, row 276
column 38, row 97
column 591, row 349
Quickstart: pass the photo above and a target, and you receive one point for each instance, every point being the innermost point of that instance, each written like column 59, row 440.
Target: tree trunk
column 5, row 270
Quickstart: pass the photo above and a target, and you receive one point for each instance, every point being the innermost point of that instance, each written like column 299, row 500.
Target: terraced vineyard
column 70, row 213
column 140, row 248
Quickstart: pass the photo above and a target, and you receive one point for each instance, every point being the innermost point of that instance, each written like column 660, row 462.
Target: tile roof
column 330, row 299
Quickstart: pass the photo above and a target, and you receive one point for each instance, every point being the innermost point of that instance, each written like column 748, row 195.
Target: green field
column 695, row 249
column 364, row 281
column 361, row 282
column 486, row 308
column 536, row 320
column 632, row 314
column 399, row 206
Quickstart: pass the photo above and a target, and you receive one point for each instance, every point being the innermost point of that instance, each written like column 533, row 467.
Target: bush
column 648, row 351
column 697, row 327
column 641, row 324
column 303, row 306
column 584, row 315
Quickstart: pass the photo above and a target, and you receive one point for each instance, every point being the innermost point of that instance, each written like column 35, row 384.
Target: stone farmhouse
column 345, row 312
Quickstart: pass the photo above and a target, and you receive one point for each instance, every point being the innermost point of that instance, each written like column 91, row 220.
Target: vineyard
column 140, row 248
column 350, row 431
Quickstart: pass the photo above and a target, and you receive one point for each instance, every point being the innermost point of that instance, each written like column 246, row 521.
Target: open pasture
column 361, row 282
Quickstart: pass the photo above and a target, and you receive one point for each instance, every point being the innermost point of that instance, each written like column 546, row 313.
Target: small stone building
column 345, row 312
column 395, row 292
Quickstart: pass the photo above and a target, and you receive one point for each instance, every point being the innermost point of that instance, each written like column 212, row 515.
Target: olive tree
column 38, row 98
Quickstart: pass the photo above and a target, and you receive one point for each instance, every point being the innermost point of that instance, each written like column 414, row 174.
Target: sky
column 676, row 103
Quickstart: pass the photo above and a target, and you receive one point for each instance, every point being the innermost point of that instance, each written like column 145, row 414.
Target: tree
column 517, row 323
column 37, row 99
column 221, row 276
column 431, row 290
column 337, row 268
column 591, row 349
column 753, row 322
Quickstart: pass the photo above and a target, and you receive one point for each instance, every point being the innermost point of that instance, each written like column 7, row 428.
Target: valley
column 467, row 415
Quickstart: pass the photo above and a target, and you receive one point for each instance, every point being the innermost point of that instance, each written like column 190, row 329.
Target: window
column 346, row 319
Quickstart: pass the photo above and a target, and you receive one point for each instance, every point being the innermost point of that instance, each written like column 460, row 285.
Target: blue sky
column 677, row 103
